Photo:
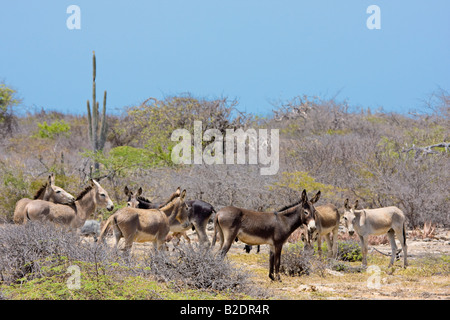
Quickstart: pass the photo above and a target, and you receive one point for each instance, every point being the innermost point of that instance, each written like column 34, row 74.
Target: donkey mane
column 165, row 203
column 83, row 193
column 143, row 199
column 289, row 206
column 40, row 191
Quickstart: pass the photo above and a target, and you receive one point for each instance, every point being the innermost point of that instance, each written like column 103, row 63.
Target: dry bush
column 427, row 232
column 195, row 267
column 37, row 250
column 33, row 250
column 25, row 249
column 297, row 260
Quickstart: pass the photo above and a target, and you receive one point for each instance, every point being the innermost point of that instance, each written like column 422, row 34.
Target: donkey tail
column 404, row 233
column 105, row 227
column 216, row 229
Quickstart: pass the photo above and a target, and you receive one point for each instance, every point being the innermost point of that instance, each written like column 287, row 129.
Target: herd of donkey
column 144, row 221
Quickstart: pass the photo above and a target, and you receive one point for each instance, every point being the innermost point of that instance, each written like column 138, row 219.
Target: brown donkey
column 272, row 228
column 143, row 225
column 48, row 192
column 327, row 225
column 135, row 200
column 73, row 215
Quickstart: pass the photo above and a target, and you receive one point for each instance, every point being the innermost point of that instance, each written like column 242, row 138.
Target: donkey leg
column 335, row 243
column 363, row 250
column 117, row 235
column 319, row 244
column 200, row 228
column 329, row 245
column 277, row 262
column 228, row 236
column 391, row 237
column 271, row 262
column 401, row 234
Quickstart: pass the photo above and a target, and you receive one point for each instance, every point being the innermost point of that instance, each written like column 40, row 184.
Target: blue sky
column 257, row 51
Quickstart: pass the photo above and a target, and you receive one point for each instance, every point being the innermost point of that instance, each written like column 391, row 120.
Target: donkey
column 199, row 213
column 327, row 225
column 272, row 228
column 48, row 192
column 137, row 201
column 365, row 222
column 143, row 225
column 73, row 215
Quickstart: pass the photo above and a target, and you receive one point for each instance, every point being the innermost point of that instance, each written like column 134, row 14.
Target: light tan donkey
column 147, row 225
column 73, row 215
column 327, row 225
column 136, row 201
column 365, row 222
column 48, row 192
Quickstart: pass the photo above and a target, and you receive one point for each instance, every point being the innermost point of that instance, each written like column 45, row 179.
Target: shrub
column 34, row 261
column 37, row 250
column 51, row 131
column 193, row 266
column 297, row 261
column 349, row 250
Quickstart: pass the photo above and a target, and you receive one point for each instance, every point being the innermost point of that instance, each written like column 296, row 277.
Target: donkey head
column 101, row 196
column 132, row 198
column 182, row 210
column 309, row 212
column 349, row 216
column 57, row 194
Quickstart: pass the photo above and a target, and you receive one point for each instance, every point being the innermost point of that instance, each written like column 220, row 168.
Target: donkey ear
column 304, row 196
column 356, row 204
column 51, row 179
column 93, row 183
column 139, row 192
column 316, row 197
column 178, row 190
column 183, row 194
column 126, row 191
column 346, row 204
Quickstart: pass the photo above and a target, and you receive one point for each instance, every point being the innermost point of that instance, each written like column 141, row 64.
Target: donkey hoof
column 275, row 278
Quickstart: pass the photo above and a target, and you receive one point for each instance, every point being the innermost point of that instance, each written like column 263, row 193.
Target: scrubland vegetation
column 373, row 156
column 378, row 157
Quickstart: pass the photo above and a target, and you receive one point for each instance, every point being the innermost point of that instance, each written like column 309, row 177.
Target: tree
column 7, row 102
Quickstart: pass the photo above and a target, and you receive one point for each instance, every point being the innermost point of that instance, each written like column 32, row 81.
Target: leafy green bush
column 349, row 250
column 51, row 131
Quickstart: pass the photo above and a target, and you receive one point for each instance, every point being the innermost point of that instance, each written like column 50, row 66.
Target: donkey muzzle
column 311, row 227
column 186, row 225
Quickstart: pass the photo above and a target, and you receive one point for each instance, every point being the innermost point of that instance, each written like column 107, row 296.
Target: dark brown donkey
column 272, row 228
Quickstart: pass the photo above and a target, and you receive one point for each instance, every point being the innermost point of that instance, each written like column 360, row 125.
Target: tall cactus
column 97, row 131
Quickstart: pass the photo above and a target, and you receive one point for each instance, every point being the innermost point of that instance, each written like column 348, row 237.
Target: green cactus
column 97, row 131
